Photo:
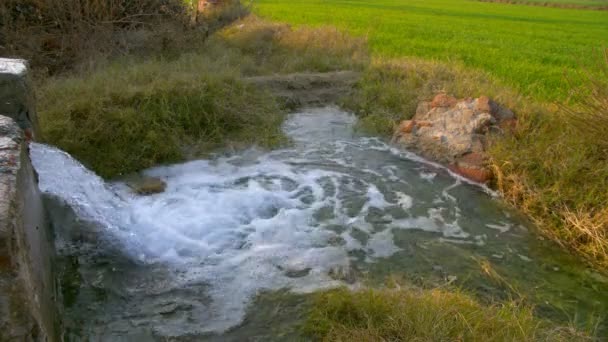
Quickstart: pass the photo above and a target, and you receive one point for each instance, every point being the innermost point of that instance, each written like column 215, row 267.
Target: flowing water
column 227, row 251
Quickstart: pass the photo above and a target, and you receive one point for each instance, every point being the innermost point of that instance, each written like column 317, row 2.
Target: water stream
column 199, row 260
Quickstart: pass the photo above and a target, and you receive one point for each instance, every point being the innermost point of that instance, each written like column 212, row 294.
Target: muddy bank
column 308, row 89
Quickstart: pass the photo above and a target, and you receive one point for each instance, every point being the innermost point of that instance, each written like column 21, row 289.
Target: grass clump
column 133, row 115
column 424, row 315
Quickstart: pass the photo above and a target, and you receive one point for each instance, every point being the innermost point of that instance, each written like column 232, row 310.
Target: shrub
column 56, row 34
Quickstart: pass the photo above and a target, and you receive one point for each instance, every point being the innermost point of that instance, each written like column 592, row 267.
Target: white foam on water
column 13, row 66
column 381, row 245
column 503, row 227
column 404, row 200
column 428, row 176
column 248, row 223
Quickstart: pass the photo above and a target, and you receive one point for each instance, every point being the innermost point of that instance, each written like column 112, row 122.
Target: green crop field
column 526, row 47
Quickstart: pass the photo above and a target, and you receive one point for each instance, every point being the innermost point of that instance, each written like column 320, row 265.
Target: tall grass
column 590, row 112
column 557, row 170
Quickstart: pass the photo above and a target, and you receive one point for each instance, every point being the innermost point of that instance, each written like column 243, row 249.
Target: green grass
column 425, row 315
column 527, row 47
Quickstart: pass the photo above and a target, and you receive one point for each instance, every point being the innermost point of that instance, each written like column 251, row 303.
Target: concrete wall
column 28, row 311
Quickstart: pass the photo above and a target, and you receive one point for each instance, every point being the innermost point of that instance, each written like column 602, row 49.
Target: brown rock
column 476, row 175
column 484, row 104
column 502, row 114
column 443, row 100
column 423, row 123
column 147, row 186
column 455, row 132
column 406, row 126
column 472, row 166
column 472, row 160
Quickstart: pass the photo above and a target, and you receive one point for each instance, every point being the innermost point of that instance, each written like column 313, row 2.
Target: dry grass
column 425, row 315
column 269, row 48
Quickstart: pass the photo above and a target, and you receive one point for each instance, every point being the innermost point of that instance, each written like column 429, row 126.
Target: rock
column 483, row 104
column 147, row 186
column 443, row 100
column 407, row 126
column 473, row 167
column 423, row 124
column 295, row 273
column 454, row 132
